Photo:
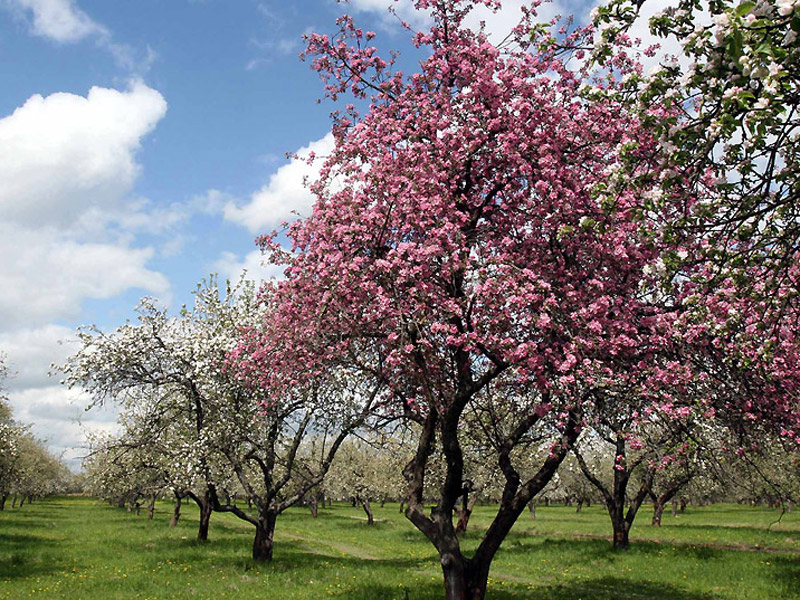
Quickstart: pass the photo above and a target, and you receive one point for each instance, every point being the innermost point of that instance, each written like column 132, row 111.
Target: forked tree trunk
column 367, row 509
column 620, row 526
column 176, row 511
column 465, row 514
column 658, row 510
column 205, row 520
column 265, row 531
column 462, row 580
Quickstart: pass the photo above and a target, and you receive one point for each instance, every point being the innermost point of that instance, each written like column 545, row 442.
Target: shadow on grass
column 604, row 588
column 615, row 588
column 787, row 571
column 23, row 556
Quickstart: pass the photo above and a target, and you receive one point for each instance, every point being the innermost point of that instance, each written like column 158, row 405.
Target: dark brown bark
column 263, row 541
column 615, row 498
column 176, row 511
column 3, row 499
column 467, row 578
column 314, row 506
column 658, row 510
column 206, row 506
column 468, row 503
column 14, row 501
column 205, row 520
column 151, row 508
column 367, row 509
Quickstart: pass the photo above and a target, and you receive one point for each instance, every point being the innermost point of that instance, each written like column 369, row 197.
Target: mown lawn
column 78, row 548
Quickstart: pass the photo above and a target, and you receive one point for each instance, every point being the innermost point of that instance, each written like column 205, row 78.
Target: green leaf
column 744, row 8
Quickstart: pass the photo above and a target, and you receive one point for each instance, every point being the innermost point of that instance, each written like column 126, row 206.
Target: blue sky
column 143, row 146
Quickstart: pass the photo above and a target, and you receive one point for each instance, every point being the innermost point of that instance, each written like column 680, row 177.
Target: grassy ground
column 77, row 548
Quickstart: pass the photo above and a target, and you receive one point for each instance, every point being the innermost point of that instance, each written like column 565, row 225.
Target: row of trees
column 518, row 253
column 28, row 471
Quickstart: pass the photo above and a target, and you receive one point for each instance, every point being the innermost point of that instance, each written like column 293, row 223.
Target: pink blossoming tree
column 467, row 254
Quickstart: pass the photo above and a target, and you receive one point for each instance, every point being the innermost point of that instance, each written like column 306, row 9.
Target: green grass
column 77, row 548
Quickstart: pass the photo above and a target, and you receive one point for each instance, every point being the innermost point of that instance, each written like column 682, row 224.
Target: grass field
column 78, row 548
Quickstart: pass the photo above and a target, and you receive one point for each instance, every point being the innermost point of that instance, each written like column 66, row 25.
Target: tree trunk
column 368, row 510
column 205, row 520
column 621, row 529
column 532, row 509
column 402, row 506
column 176, row 512
column 580, row 505
column 683, row 505
column 14, row 501
column 463, row 580
column 314, row 506
column 465, row 514
column 658, row 510
column 674, row 507
column 262, row 543
column 151, row 508
column 3, row 501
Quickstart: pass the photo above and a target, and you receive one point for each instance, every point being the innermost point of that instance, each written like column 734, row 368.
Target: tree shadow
column 617, row 588
column 23, row 556
column 786, row 569
column 603, row 588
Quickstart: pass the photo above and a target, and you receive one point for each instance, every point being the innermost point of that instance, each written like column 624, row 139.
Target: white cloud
column 285, row 195
column 404, row 9
column 31, row 352
column 497, row 24
column 59, row 20
column 62, row 154
column 230, row 266
column 46, row 277
column 58, row 416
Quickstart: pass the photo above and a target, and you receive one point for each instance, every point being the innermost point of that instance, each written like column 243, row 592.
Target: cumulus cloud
column 58, row 416
column 62, row 154
column 31, row 351
column 253, row 265
column 286, row 195
column 48, row 277
column 59, row 20
column 391, row 10
column 497, row 25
